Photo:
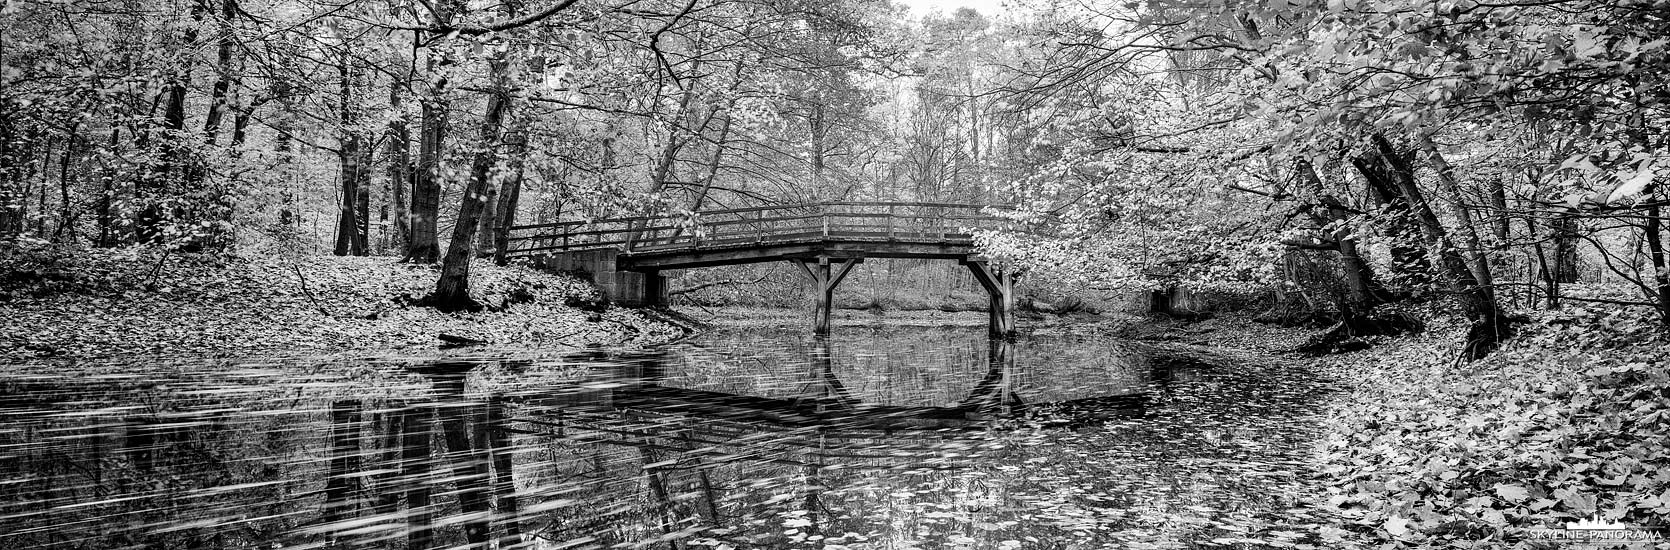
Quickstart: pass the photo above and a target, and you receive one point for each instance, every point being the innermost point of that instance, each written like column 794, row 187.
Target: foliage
column 1565, row 423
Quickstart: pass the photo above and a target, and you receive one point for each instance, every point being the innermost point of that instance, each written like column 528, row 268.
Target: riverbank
column 102, row 303
column 1568, row 421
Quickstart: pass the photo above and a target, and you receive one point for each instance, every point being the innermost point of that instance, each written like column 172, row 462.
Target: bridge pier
column 825, row 278
column 1000, row 285
column 638, row 287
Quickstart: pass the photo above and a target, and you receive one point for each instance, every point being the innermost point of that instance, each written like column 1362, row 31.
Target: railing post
column 824, row 211
column 891, row 209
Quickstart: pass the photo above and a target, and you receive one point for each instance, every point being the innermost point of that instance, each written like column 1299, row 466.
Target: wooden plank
column 841, row 273
column 983, row 274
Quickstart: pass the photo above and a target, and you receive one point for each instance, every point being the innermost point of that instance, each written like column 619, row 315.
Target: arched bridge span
column 625, row 256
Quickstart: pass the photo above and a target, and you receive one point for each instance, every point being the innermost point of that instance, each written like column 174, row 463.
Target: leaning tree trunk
column 1410, row 263
column 1360, row 314
column 452, row 291
column 1477, row 300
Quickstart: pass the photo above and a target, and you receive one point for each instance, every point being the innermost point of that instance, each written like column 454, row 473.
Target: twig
column 150, row 280
column 309, row 293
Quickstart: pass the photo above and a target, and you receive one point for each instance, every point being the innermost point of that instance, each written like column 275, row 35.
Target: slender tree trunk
column 106, row 218
column 350, row 237
column 1545, row 272
column 1457, row 201
column 1655, row 246
column 66, row 214
column 1564, row 234
column 11, row 209
column 423, row 246
column 469, row 462
column 1363, row 292
column 511, row 196
column 400, row 166
column 224, row 79
column 452, row 291
column 171, row 169
column 1409, row 260
column 484, row 238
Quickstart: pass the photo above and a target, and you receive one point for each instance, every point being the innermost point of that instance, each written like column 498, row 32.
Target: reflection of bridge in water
column 635, row 384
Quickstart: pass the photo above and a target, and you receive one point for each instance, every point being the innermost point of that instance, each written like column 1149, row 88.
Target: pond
column 873, row 438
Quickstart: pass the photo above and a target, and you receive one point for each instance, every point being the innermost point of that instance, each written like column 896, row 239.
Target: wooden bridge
column 626, row 256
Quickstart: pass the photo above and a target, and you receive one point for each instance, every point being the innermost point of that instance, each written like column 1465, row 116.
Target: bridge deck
column 768, row 233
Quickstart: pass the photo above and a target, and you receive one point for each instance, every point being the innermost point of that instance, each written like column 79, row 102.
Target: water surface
column 882, row 437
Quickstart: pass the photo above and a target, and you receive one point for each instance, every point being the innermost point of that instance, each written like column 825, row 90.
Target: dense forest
column 1341, row 157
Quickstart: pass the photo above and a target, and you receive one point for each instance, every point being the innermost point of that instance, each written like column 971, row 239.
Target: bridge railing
column 902, row 221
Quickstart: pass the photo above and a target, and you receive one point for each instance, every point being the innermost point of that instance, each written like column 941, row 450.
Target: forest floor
column 1568, row 421
column 89, row 304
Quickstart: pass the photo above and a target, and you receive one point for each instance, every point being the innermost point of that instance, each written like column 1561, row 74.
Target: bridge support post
column 824, row 280
column 1000, row 285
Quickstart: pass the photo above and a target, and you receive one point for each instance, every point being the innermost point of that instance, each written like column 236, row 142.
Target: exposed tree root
column 1351, row 332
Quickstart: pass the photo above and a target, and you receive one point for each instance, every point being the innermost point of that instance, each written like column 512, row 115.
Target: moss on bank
column 88, row 304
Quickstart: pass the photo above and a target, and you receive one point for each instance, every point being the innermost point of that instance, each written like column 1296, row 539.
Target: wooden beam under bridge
column 999, row 283
column 824, row 281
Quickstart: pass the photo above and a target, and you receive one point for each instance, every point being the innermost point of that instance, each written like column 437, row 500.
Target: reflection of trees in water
column 179, row 464
column 447, row 464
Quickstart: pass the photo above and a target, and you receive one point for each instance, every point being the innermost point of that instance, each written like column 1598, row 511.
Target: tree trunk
column 501, row 447
column 1655, row 246
column 416, row 432
column 1409, row 260
column 489, row 222
column 470, row 476
column 1478, row 301
column 423, row 246
column 343, row 478
column 400, row 166
column 1363, row 292
column 511, row 196
column 224, row 79
column 351, row 222
column 1564, row 234
column 452, row 291
column 1470, row 236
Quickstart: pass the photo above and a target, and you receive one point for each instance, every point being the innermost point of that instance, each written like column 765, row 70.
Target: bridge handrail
column 862, row 219
column 749, row 209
